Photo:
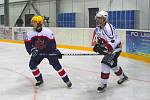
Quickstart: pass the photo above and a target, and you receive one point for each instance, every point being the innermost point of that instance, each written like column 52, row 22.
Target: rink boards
column 82, row 38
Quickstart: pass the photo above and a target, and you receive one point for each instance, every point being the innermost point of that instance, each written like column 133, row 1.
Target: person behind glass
column 40, row 40
column 109, row 45
column 19, row 22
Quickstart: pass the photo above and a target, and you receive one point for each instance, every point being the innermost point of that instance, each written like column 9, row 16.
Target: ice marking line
column 33, row 87
column 94, row 72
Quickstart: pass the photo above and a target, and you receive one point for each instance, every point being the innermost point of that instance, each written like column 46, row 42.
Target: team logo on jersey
column 94, row 39
column 40, row 43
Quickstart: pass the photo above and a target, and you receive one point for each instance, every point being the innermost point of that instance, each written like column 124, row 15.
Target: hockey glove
column 59, row 55
column 34, row 52
column 100, row 49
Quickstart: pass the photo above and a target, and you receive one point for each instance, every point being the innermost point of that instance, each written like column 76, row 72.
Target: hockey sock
column 105, row 72
column 63, row 75
column 37, row 74
column 118, row 71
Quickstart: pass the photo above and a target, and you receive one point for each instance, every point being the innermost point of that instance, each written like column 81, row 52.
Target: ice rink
column 17, row 82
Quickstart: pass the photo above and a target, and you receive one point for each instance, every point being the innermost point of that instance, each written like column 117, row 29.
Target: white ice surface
column 17, row 81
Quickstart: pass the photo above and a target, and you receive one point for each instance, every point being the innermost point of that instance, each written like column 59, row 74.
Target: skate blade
column 39, row 86
column 124, row 81
column 100, row 91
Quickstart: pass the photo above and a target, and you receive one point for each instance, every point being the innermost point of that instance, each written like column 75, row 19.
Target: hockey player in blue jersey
column 40, row 40
column 109, row 44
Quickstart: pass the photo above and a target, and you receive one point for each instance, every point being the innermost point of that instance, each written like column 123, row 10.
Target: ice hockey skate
column 69, row 84
column 101, row 88
column 39, row 83
column 122, row 80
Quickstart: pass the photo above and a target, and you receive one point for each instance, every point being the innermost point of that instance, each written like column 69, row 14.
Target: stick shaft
column 75, row 54
column 71, row 54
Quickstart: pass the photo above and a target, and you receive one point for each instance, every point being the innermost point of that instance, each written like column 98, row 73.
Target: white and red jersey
column 44, row 41
column 108, row 36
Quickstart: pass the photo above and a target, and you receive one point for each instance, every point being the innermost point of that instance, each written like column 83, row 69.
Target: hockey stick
column 82, row 54
column 71, row 54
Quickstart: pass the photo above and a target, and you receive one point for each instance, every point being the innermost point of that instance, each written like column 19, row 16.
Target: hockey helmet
column 37, row 19
column 102, row 14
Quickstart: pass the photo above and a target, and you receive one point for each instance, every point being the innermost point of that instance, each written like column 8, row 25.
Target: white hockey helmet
column 102, row 14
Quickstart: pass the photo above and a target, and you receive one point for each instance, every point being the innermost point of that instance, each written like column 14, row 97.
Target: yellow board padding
column 12, row 41
column 137, row 57
column 124, row 54
column 75, row 47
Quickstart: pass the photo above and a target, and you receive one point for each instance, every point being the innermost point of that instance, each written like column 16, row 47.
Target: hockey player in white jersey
column 108, row 44
column 40, row 40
